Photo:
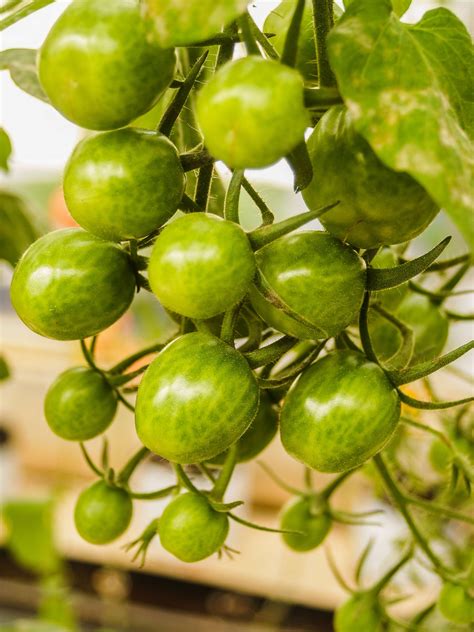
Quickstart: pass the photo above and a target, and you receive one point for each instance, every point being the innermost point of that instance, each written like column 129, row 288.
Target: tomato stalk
column 247, row 34
column 364, row 330
column 403, row 355
column 290, row 48
column 322, row 98
column 271, row 353
column 196, row 159
column 262, row 39
column 287, row 376
column 228, row 324
column 124, row 475
column 266, row 213
column 222, row 482
column 416, row 403
column 301, row 165
column 131, row 359
column 323, row 19
column 399, row 499
column 232, row 198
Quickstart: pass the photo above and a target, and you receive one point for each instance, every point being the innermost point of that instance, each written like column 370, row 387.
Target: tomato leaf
column 16, row 229
column 409, row 91
column 5, row 149
column 399, row 6
column 21, row 62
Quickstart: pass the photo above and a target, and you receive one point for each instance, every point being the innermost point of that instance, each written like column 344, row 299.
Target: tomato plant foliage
column 322, row 337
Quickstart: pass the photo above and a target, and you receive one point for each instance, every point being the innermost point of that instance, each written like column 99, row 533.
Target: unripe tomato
column 80, row 404
column 317, row 277
column 456, row 604
column 251, row 112
column 99, row 67
column 195, row 399
column 378, row 206
column 201, row 265
column 341, row 411
column 70, row 285
column 360, row 612
column 102, row 513
column 184, row 22
column 440, row 456
column 190, row 529
column 123, row 184
column 314, row 523
column 429, row 324
column 262, row 430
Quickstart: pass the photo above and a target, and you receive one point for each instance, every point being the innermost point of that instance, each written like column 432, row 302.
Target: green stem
column 271, row 353
column 276, row 479
column 266, row 234
column 290, row 48
column 131, row 465
column 436, row 297
column 122, row 399
column 327, row 492
column 232, row 198
column 127, row 362
column 88, row 356
column 446, row 289
column 267, row 215
column 120, row 380
column 403, row 355
column 364, row 330
column 416, row 403
column 322, row 26
column 203, row 186
column 174, row 109
column 248, row 35
column 263, row 40
column 290, row 373
column 300, row 163
column 89, row 461
column 188, row 205
column 228, row 324
column 321, row 98
column 457, row 316
column 223, row 480
column 380, row 585
column 196, row 159
column 23, row 13
column 444, row 265
column 399, row 499
column 160, row 493
column 184, row 480
column 259, row 527
column 436, row 508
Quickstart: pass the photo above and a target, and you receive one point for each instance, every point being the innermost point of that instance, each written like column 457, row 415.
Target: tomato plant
column 325, row 338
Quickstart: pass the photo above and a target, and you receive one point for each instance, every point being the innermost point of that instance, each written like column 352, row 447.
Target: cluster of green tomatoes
column 255, row 310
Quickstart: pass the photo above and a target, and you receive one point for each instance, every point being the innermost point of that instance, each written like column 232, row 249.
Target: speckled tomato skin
column 190, row 529
column 262, row 430
column 316, row 277
column 201, row 265
column 297, row 516
column 123, row 184
column 251, row 112
column 340, row 412
column 195, row 400
column 377, row 206
column 99, row 67
column 70, row 285
column 102, row 513
column 80, row 404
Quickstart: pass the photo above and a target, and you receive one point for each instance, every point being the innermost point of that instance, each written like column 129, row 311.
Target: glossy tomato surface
column 184, row 22
column 190, row 529
column 377, row 206
column 99, row 67
column 340, row 412
column 313, row 521
column 319, row 279
column 123, row 184
column 102, row 513
column 70, row 285
column 80, row 404
column 262, row 430
column 195, row 399
column 251, row 112
column 201, row 265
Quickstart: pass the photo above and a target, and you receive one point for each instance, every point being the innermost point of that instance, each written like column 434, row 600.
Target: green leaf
column 5, row 149
column 16, row 230
column 409, row 91
column 30, row 534
column 4, row 369
column 21, row 62
column 399, row 6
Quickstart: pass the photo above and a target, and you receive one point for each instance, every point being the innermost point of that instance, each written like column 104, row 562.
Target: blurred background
column 266, row 587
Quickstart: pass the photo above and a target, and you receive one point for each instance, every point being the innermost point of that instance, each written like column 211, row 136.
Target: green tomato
column 360, row 612
column 80, row 404
column 70, row 285
column 123, row 184
column 314, row 523
column 201, row 265
column 184, row 22
column 190, row 529
column 251, row 112
column 455, row 603
column 342, row 410
column 319, row 279
column 99, row 67
column 262, row 430
column 390, row 299
column 429, row 324
column 377, row 206
column 440, row 456
column 102, row 513
column 196, row 399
